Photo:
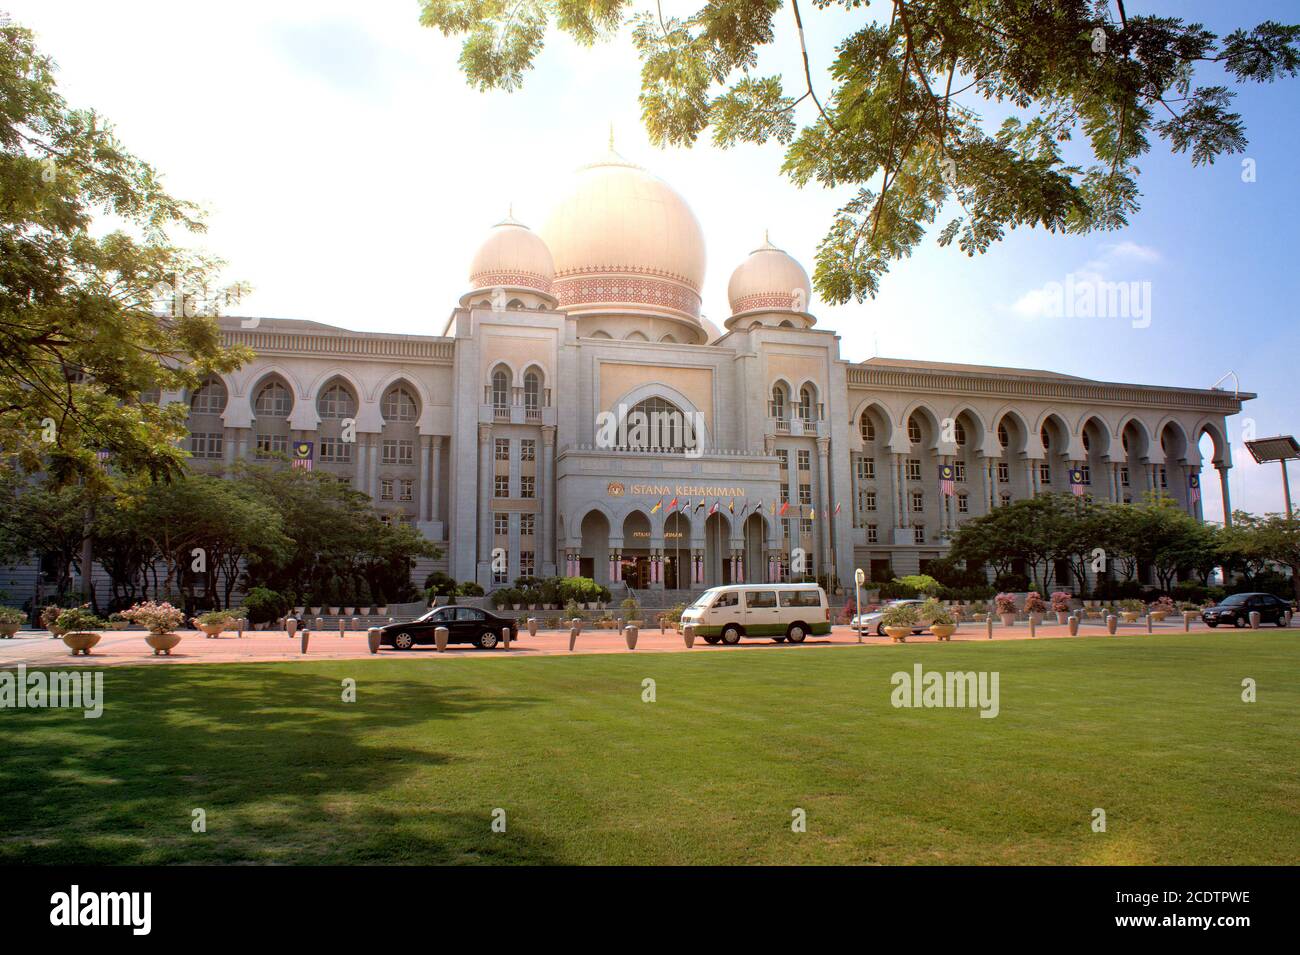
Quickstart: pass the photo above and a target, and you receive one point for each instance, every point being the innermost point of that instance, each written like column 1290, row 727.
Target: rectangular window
column 268, row 444
column 805, row 460
column 528, row 450
column 805, row 493
column 918, row 502
column 398, row 452
column 800, row 598
column 1164, row 477
column 501, row 449
column 527, row 525
column 527, row 486
column 785, row 527
column 386, row 489
column 866, row 469
column 525, row 563
column 963, row 503
column 207, row 444
column 873, row 534
column 1123, row 476
column 868, row 500
column 783, row 459
column 501, row 485
column 760, row 598
column 1004, row 499
column 334, row 450
column 406, row 489
column 1044, row 473
column 914, row 469
column 805, row 526
column 500, row 524
column 918, row 534
column 1086, row 470
column 1004, row 473
column 959, row 471
column 500, row 576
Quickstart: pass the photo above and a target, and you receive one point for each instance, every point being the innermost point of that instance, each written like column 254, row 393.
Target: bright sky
column 349, row 172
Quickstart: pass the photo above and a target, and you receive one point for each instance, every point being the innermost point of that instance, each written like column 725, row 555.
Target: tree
column 91, row 325
column 899, row 117
column 43, row 519
column 1260, row 541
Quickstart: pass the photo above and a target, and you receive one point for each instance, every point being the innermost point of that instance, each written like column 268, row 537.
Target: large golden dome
column 624, row 241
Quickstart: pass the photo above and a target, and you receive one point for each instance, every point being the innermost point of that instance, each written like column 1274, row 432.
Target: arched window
column 399, row 405
column 656, row 424
column 669, row 339
column 336, row 401
column 867, row 427
column 500, row 389
column 1044, row 437
column 959, row 434
column 1087, row 445
column 807, row 404
column 210, row 398
column 777, row 409
column 913, row 430
column 532, row 391
column 273, row 401
column 1004, row 439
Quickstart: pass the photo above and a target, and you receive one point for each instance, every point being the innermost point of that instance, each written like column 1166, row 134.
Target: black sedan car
column 464, row 625
column 1237, row 609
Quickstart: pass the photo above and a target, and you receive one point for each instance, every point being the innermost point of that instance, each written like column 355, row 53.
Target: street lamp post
column 858, row 578
column 1282, row 448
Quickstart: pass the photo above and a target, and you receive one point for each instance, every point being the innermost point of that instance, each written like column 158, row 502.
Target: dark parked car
column 1237, row 609
column 464, row 625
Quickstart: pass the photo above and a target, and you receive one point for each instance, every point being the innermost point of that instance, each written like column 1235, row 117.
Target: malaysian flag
column 946, row 475
column 1076, row 482
column 302, row 455
column 1193, row 488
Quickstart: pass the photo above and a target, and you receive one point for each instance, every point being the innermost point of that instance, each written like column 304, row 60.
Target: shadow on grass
column 285, row 771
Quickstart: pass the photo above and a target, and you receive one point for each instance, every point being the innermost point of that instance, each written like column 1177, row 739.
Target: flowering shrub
column 1061, row 601
column 155, row 617
column 78, row 620
column 1006, row 603
column 11, row 615
column 1165, row 604
column 1034, row 603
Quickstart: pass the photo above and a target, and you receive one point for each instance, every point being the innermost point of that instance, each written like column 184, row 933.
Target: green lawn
column 1151, row 729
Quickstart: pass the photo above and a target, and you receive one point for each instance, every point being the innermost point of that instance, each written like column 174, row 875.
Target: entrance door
column 586, row 568
column 670, row 572
column 636, row 572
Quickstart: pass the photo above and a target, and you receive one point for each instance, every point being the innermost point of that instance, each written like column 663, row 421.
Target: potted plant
column 1162, row 607
column 117, row 622
column 1035, row 606
column 160, row 619
column 77, row 626
column 938, row 618
column 898, row 621
column 1061, row 604
column 49, row 619
column 1006, row 606
column 11, row 620
column 214, row 622
column 1131, row 609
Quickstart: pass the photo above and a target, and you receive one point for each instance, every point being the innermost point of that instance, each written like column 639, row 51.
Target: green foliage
column 212, row 618
column 78, row 619
column 12, row 615
column 469, row 589
column 919, row 583
column 91, row 322
column 932, row 612
column 900, row 615
column 439, row 583
column 899, row 126
column 262, row 605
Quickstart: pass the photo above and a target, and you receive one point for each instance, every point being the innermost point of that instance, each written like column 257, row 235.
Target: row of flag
column 773, row 508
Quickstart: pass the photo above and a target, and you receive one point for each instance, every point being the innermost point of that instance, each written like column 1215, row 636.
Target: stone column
column 991, row 484
column 485, row 485
column 1227, row 498
column 548, row 500
column 372, row 478
column 896, row 479
column 422, row 502
column 435, row 482
column 824, row 505
column 359, row 459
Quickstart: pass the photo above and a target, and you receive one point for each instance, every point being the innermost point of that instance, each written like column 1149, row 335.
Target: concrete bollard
column 291, row 626
column 1073, row 622
column 1149, row 624
column 688, row 635
column 1188, row 616
column 240, row 624
column 629, row 636
column 532, row 626
column 372, row 639
column 356, row 623
column 988, row 626
column 1033, row 627
column 306, row 636
column 440, row 635
column 573, row 635
column 1254, row 620
column 576, row 624
column 505, row 638
column 342, row 627
column 320, row 623
column 1112, row 622
column 661, row 625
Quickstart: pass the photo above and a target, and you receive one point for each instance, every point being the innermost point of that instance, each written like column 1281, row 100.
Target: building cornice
column 411, row 349
column 972, row 385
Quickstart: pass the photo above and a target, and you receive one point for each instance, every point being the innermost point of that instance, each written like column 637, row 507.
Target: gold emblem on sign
column 615, row 489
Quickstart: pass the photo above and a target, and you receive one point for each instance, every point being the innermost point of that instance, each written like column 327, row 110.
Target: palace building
column 515, row 439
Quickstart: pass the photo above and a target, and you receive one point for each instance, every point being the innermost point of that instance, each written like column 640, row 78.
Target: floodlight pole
column 1286, row 488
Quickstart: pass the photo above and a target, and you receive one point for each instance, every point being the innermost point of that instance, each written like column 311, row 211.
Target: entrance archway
column 717, row 550
column 594, row 562
column 677, row 551
column 635, row 558
column 754, row 531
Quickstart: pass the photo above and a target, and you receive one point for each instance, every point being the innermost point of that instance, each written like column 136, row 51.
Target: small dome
column 769, row 281
column 512, row 257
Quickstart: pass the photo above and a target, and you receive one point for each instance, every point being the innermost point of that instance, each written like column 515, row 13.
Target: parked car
column 871, row 620
column 464, row 625
column 780, row 611
column 1237, row 609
